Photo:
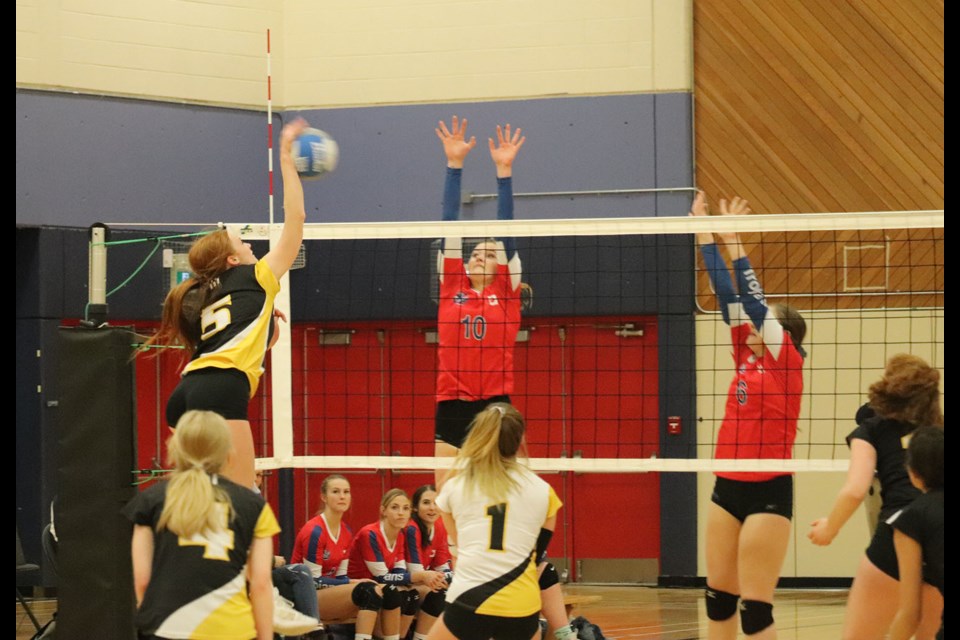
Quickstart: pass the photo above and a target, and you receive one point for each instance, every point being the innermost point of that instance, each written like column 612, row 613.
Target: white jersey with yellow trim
column 496, row 571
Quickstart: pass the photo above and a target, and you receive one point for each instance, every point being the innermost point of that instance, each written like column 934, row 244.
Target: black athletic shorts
column 454, row 417
column 466, row 624
column 741, row 499
column 881, row 551
column 223, row 391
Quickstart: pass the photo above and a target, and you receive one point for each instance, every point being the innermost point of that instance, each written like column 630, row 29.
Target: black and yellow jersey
column 496, row 572
column 198, row 585
column 235, row 328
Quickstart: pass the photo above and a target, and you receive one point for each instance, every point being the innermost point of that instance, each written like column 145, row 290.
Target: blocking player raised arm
column 224, row 317
column 749, row 518
column 479, row 304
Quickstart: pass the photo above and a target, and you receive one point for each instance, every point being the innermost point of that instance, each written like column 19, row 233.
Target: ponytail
column 194, row 501
column 489, row 454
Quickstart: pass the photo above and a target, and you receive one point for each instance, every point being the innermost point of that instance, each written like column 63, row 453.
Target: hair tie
column 502, row 411
column 197, row 465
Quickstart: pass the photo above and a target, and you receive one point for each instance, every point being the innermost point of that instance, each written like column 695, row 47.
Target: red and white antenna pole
column 269, row 129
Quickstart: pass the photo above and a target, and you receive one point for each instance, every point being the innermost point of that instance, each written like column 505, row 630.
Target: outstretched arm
column 716, row 267
column 503, row 153
column 863, row 462
column 751, row 294
column 456, row 147
column 281, row 256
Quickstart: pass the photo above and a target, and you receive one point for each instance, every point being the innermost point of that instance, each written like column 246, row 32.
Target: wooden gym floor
column 625, row 613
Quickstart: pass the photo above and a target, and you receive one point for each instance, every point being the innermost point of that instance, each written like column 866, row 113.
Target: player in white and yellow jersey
column 501, row 516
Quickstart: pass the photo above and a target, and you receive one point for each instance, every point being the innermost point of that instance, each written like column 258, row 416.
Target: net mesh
column 623, row 363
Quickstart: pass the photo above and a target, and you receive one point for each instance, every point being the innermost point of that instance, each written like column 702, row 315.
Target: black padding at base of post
column 96, row 454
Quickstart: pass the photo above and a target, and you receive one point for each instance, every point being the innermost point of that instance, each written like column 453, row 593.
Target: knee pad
column 365, row 596
column 755, row 616
column 410, row 602
column 720, row 604
column 549, row 577
column 433, row 603
column 392, row 598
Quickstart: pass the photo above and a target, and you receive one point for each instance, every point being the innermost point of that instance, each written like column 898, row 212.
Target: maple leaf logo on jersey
column 492, row 299
column 460, row 298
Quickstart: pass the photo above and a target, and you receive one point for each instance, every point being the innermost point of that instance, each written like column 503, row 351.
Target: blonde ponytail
column 489, row 454
column 194, row 502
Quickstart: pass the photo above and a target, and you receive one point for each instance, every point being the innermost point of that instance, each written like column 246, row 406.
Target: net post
column 97, row 274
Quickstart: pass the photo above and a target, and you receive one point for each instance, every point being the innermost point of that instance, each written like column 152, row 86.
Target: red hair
column 179, row 325
column 909, row 392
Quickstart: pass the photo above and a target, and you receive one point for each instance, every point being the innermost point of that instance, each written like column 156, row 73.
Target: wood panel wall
column 827, row 106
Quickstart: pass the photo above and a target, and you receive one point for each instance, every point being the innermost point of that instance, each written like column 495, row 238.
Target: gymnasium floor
column 644, row 612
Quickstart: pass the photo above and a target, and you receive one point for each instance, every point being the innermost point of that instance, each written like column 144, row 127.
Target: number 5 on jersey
column 215, row 317
column 498, row 520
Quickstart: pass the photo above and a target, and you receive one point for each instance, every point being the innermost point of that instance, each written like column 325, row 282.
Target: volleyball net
column 622, row 364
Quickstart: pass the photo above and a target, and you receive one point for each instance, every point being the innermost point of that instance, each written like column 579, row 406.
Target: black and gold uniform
column 234, row 332
column 495, row 592
column 198, row 585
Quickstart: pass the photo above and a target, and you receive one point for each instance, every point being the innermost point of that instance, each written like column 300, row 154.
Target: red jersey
column 763, row 404
column 371, row 557
column 318, row 549
column 432, row 555
column 477, row 331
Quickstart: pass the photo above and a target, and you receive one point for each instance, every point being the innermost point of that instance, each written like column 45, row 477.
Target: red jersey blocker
column 763, row 402
column 326, row 556
column 477, row 332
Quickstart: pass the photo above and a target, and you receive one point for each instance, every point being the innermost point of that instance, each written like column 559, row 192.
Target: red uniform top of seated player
column 372, row 558
column 318, row 549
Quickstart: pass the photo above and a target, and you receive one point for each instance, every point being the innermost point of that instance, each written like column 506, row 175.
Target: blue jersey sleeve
column 505, row 211
column 719, row 278
column 751, row 293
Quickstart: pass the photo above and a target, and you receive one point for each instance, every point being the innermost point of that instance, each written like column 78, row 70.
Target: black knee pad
column 433, row 603
column 410, row 602
column 392, row 598
column 755, row 616
column 720, row 604
column 365, row 596
column 549, row 577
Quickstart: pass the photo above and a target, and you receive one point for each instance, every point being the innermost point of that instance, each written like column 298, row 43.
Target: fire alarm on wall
column 674, row 425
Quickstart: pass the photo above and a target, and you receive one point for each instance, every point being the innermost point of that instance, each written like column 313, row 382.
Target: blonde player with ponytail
column 198, row 539
column 501, row 516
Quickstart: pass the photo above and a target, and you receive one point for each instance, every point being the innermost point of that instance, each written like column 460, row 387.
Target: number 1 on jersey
column 498, row 519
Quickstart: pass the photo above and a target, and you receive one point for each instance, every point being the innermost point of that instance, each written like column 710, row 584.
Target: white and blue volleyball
column 315, row 154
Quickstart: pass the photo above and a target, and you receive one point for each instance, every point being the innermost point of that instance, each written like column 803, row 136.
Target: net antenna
column 280, row 362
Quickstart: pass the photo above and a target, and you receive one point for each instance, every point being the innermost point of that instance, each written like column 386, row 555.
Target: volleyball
column 315, row 154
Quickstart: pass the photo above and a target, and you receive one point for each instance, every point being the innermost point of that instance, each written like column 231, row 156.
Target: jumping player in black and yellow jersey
column 501, row 515
column 224, row 317
column 198, row 540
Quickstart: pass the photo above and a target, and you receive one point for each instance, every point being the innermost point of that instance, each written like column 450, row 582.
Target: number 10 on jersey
column 474, row 327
